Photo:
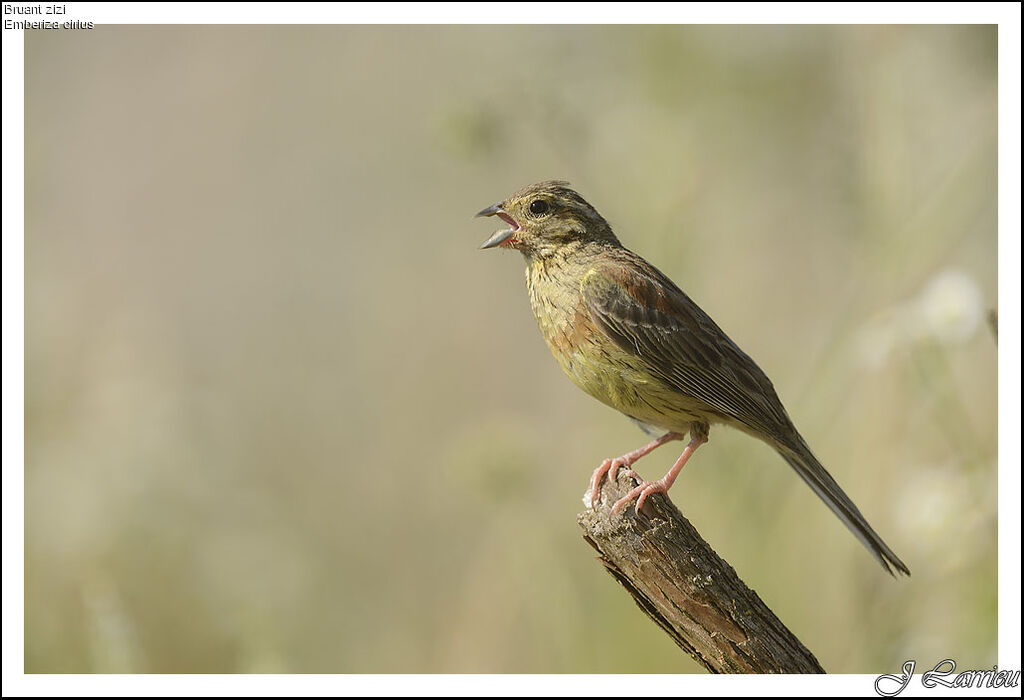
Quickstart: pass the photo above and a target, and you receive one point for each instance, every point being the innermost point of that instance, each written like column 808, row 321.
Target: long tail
column 811, row 471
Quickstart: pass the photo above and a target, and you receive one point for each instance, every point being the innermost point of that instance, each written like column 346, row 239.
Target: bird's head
column 546, row 217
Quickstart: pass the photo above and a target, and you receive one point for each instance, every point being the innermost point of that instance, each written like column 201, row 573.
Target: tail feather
column 822, row 483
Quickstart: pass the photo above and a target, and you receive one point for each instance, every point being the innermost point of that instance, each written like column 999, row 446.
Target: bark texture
column 688, row 590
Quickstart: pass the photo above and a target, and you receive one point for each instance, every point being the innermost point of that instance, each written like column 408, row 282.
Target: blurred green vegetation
column 281, row 414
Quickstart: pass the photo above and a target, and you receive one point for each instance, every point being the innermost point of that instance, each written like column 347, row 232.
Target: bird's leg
column 610, row 466
column 699, row 435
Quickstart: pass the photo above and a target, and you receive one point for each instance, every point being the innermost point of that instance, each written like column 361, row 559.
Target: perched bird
column 629, row 337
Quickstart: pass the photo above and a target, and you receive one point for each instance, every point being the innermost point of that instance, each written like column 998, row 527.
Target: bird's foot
column 609, row 467
column 662, row 485
column 641, row 492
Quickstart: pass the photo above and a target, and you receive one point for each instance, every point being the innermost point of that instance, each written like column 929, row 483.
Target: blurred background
column 283, row 416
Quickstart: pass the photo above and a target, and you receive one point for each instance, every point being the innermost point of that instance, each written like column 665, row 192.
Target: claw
column 662, row 485
column 640, row 493
column 611, row 467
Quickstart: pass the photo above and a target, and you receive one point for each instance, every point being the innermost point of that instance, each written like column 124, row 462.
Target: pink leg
column 610, row 466
column 662, row 485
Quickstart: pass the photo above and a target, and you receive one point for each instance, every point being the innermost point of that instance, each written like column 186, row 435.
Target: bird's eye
column 538, row 206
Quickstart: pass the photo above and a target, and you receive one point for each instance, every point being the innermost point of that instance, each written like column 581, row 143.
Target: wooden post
column 688, row 590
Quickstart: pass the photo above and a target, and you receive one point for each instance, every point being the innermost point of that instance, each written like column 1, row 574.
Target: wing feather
column 645, row 314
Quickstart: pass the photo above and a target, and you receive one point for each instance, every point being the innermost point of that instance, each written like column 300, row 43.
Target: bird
column 626, row 334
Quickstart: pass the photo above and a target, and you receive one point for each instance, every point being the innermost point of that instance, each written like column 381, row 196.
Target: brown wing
column 644, row 313
column 647, row 315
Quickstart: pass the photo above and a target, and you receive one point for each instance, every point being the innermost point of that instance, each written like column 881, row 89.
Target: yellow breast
column 589, row 358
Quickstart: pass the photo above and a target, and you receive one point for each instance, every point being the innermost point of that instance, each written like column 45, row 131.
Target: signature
column 942, row 674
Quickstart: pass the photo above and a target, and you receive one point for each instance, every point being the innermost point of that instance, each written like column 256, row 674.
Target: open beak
column 503, row 236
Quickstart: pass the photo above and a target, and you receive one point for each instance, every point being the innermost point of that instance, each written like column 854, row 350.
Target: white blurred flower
column 947, row 310
column 948, row 514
